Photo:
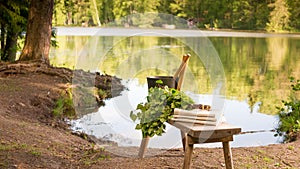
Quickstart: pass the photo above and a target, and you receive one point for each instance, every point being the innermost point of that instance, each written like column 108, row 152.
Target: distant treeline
column 265, row 15
column 269, row 15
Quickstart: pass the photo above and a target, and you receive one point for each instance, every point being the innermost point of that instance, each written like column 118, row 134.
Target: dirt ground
column 31, row 137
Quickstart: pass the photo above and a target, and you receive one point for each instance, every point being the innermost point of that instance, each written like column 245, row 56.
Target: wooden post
column 143, row 147
column 179, row 75
column 227, row 155
column 188, row 153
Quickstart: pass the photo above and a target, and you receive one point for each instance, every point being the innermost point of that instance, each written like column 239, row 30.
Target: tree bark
column 97, row 13
column 11, row 46
column 8, row 44
column 69, row 18
column 2, row 39
column 38, row 36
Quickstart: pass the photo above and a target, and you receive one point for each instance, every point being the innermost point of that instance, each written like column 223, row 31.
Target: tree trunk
column 2, row 39
column 11, row 47
column 8, row 44
column 38, row 36
column 69, row 18
column 97, row 13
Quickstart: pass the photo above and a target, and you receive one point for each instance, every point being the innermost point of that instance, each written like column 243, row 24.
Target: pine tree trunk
column 11, row 46
column 38, row 36
column 8, row 45
column 2, row 39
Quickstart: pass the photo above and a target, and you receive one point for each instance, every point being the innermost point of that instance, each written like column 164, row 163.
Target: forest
column 256, row 15
column 269, row 15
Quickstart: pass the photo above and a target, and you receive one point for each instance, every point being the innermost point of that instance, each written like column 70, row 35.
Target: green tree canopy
column 279, row 17
column 270, row 15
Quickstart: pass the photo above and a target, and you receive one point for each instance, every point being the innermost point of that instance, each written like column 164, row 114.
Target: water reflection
column 112, row 121
column 256, row 69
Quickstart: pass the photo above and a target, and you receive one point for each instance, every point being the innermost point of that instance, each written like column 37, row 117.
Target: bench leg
column 183, row 139
column 227, row 155
column 143, row 147
column 188, row 153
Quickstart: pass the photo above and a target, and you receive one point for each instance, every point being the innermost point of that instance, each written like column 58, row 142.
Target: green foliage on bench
column 158, row 109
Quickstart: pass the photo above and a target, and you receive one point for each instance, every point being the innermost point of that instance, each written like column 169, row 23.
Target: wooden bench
column 197, row 134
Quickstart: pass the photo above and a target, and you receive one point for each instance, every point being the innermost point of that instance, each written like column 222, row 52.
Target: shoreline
column 99, row 31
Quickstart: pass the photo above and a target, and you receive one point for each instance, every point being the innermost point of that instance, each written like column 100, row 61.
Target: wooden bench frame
column 197, row 134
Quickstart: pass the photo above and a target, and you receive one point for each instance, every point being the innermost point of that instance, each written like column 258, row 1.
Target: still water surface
column 256, row 79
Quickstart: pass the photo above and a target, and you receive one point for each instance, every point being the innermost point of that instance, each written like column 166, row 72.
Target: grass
column 35, row 153
column 277, row 165
column 102, row 94
column 64, row 106
column 9, row 88
column 255, row 157
column 261, row 151
column 290, row 147
column 92, row 156
column 248, row 166
column 6, row 147
column 88, row 161
column 15, row 146
column 267, row 159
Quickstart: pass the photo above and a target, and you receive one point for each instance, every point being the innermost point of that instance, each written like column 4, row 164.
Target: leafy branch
column 158, row 109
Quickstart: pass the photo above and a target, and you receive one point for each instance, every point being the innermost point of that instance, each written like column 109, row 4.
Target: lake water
column 252, row 69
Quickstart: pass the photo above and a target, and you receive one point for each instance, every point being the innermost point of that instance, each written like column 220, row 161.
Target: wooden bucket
column 167, row 81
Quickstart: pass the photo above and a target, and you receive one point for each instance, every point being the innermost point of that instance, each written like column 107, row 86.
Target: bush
column 289, row 114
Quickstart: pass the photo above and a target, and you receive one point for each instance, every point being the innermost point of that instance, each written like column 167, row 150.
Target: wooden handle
column 185, row 58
